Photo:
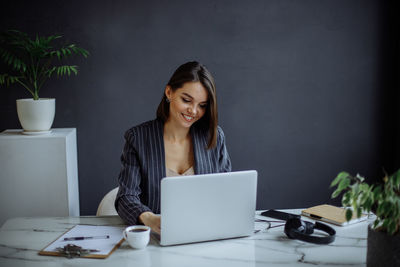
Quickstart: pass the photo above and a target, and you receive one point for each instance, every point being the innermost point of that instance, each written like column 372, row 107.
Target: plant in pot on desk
column 30, row 63
column 384, row 201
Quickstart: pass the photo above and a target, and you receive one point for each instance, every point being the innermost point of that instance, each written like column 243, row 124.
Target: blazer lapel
column 159, row 156
column 201, row 154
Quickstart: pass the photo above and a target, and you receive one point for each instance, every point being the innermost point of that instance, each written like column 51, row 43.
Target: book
column 331, row 214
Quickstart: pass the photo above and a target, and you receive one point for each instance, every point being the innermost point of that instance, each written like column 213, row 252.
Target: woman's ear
column 168, row 92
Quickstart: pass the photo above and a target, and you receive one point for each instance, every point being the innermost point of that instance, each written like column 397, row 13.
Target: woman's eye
column 185, row 100
column 203, row 106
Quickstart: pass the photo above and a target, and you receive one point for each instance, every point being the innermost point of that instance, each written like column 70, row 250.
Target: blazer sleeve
column 224, row 161
column 127, row 203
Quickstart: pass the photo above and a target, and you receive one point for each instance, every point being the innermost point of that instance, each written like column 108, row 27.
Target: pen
column 85, row 237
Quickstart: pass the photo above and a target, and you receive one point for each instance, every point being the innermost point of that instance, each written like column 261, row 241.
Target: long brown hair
column 195, row 72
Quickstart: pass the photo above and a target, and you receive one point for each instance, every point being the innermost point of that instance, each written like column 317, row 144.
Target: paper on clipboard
column 105, row 246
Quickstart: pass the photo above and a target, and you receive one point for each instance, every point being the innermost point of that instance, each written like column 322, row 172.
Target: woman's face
column 187, row 104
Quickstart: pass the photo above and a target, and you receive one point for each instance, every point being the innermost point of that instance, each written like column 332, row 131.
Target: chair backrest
column 106, row 206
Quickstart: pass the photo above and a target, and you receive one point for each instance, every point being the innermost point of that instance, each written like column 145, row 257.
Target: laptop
column 207, row 207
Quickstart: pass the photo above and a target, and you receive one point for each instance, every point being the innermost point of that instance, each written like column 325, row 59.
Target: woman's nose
column 192, row 110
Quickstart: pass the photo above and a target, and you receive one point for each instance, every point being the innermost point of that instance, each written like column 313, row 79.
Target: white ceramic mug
column 138, row 236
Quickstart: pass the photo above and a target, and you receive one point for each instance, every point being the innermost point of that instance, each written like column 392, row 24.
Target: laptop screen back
column 207, row 207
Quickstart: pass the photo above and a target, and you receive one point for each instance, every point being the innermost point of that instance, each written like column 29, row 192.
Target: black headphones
column 295, row 228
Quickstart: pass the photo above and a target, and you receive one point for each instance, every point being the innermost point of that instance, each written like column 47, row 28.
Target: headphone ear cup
column 294, row 225
column 309, row 228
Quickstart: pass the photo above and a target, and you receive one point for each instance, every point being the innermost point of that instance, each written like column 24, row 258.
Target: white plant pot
column 36, row 116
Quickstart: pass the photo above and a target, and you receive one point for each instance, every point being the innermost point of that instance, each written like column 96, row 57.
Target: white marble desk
column 22, row 238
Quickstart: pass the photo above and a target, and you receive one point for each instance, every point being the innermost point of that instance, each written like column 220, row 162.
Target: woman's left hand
column 153, row 221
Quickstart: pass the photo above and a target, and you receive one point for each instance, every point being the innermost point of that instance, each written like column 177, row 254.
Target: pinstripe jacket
column 143, row 167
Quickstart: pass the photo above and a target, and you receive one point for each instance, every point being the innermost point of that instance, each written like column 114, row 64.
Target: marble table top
column 22, row 238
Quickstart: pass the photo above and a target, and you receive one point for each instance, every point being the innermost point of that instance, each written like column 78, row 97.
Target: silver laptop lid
column 207, row 207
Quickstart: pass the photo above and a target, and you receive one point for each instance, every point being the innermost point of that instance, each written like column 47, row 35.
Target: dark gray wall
column 306, row 89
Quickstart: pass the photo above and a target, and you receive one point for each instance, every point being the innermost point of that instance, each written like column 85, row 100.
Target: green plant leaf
column 336, row 193
column 3, row 78
column 10, row 60
column 364, row 187
column 385, row 223
column 368, row 204
column 346, row 199
column 359, row 178
column 51, row 71
column 396, row 178
column 359, row 212
column 392, row 227
column 5, row 56
column 74, row 69
column 376, row 223
column 377, row 192
column 349, row 214
column 6, row 79
column 339, row 178
column 344, row 183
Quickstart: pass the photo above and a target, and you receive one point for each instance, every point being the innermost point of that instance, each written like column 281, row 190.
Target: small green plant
column 30, row 62
column 382, row 199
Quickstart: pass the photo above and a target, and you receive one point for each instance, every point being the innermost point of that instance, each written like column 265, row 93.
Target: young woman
column 185, row 139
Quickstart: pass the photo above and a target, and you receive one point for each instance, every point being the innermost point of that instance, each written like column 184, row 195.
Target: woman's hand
column 153, row 221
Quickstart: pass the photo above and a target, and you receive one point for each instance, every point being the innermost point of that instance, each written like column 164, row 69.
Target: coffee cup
column 138, row 236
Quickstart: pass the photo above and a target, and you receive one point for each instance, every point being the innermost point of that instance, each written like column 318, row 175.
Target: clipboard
column 106, row 246
column 331, row 214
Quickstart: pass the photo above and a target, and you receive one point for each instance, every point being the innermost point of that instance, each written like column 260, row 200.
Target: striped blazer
column 143, row 166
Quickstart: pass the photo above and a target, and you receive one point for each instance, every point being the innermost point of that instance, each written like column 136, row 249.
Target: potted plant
column 30, row 63
column 384, row 201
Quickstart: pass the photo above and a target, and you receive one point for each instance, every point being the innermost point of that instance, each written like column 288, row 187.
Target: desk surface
column 22, row 238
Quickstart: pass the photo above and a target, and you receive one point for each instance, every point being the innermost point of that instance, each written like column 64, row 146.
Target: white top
column 171, row 173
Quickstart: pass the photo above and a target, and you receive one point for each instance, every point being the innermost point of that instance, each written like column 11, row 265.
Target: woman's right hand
column 153, row 221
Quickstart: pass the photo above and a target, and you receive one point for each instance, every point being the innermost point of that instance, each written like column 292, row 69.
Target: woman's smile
column 188, row 118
